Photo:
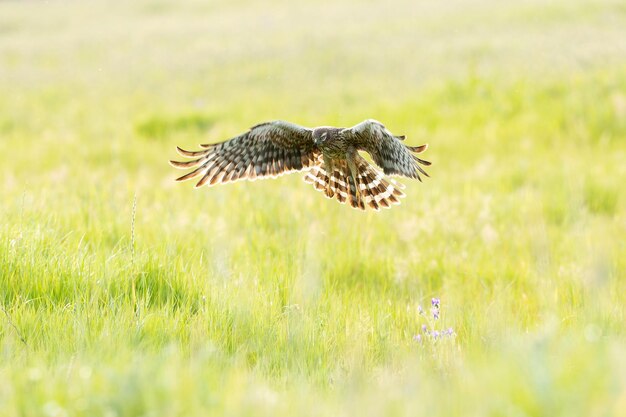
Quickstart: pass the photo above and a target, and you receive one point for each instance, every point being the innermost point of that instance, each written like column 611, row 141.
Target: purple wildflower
column 435, row 302
column 427, row 332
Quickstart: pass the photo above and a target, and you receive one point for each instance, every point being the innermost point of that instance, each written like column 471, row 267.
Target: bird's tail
column 375, row 190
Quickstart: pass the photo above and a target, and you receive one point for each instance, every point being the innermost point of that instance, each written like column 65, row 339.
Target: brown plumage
column 329, row 154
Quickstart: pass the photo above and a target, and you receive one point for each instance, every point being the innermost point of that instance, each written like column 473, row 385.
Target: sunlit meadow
column 496, row 288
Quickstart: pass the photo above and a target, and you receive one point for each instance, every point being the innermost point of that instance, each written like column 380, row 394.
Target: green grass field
column 126, row 294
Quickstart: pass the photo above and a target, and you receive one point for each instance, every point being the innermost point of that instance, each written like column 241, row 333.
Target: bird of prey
column 329, row 155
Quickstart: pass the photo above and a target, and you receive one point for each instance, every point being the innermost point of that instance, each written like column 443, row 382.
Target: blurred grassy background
column 267, row 299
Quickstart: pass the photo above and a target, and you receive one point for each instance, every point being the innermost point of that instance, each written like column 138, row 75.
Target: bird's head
column 320, row 135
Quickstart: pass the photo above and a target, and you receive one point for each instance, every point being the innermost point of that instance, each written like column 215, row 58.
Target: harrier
column 330, row 155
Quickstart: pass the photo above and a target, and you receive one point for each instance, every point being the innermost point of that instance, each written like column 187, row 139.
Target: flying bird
column 329, row 155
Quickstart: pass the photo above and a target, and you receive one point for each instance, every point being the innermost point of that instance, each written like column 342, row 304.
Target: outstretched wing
column 266, row 150
column 387, row 150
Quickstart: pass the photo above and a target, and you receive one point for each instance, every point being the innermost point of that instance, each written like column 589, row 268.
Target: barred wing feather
column 388, row 151
column 267, row 150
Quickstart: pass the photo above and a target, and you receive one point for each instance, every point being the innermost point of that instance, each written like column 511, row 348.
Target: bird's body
column 329, row 154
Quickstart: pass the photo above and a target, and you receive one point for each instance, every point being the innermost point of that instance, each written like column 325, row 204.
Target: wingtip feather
column 190, row 175
column 184, row 165
column 184, row 152
column 423, row 162
column 418, row 149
